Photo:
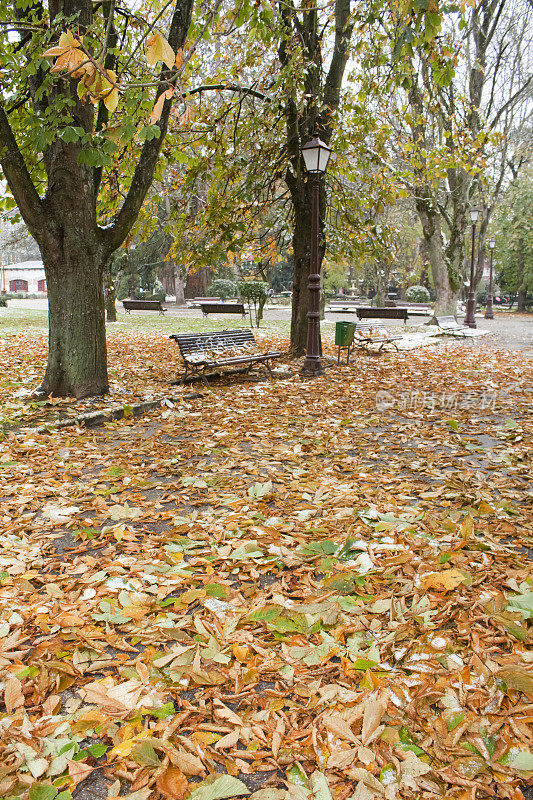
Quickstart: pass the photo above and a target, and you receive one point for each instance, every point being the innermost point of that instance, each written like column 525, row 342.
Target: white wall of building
column 32, row 272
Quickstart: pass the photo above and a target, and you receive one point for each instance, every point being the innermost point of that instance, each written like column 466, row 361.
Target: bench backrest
column 146, row 305
column 207, row 299
column 224, row 308
column 192, row 343
column 382, row 313
column 369, row 326
column 401, row 304
column 345, row 303
column 450, row 323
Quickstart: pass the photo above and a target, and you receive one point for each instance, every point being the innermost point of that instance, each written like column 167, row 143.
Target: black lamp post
column 470, row 318
column 488, row 311
column 316, row 156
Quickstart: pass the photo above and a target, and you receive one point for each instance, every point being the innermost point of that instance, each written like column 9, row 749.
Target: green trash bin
column 344, row 333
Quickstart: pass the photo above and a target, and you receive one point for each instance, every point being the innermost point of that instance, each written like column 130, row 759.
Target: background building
column 26, row 277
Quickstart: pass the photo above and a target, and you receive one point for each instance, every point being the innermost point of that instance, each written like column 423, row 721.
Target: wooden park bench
column 204, row 352
column 143, row 305
column 222, row 308
column 364, row 312
column 368, row 333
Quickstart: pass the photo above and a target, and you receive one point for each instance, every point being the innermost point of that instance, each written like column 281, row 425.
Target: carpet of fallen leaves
column 289, row 590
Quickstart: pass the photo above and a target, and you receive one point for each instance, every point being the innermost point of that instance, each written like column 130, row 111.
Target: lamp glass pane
column 492, row 243
column 474, row 214
column 311, row 155
column 325, row 153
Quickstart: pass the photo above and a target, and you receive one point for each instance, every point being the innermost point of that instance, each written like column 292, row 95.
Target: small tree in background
column 255, row 293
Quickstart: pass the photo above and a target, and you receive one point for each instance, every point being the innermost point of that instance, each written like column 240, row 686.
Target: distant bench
column 222, row 308
column 143, row 305
column 344, row 305
column 209, row 351
column 416, row 309
column 367, row 312
column 352, row 306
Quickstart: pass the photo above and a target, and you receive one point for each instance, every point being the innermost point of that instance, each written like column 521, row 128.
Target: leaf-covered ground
column 298, row 590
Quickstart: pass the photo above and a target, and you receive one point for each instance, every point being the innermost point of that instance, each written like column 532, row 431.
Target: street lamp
column 470, row 319
column 316, row 156
column 488, row 311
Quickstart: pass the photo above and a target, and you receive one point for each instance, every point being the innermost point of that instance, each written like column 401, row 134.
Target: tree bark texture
column 77, row 360
column 446, row 297
column 110, row 295
column 179, row 285
column 301, row 245
column 75, row 250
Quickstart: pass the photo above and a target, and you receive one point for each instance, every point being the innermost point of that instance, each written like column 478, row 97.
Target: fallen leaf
column 173, row 784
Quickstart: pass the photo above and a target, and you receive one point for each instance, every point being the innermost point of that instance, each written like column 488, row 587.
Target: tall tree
column 454, row 117
column 57, row 146
column 514, row 239
column 310, row 103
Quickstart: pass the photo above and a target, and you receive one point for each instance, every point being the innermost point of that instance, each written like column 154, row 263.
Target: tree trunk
column 301, row 243
column 110, row 295
column 77, row 355
column 521, row 300
column 446, row 297
column 382, row 285
column 260, row 309
column 179, row 287
column 133, row 277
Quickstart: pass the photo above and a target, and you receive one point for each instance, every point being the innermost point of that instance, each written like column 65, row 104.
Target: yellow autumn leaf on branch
column 69, row 54
column 66, row 42
column 159, row 103
column 158, row 49
column 111, row 95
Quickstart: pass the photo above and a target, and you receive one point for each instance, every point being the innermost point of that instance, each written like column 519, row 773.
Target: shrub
column 223, row 288
column 158, row 294
column 256, row 293
column 3, row 302
column 417, row 294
